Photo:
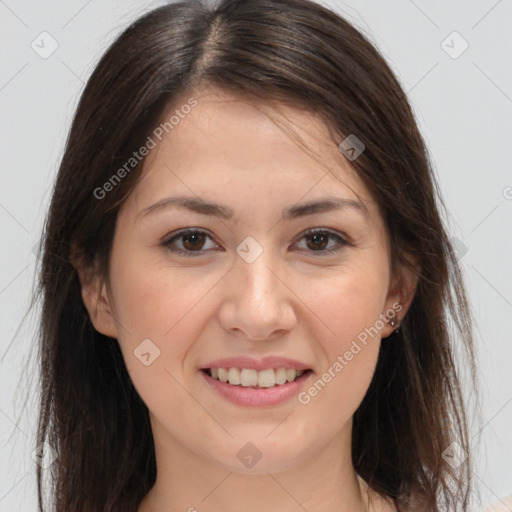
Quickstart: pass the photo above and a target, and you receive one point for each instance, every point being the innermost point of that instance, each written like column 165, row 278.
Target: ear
column 95, row 298
column 401, row 293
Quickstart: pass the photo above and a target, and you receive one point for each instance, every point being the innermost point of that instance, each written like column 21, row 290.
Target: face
column 248, row 268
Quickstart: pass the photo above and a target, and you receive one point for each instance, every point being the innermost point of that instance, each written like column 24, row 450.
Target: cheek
column 157, row 309
column 350, row 307
column 350, row 303
column 154, row 299
column 160, row 330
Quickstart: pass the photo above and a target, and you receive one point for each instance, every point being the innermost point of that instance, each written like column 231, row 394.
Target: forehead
column 228, row 144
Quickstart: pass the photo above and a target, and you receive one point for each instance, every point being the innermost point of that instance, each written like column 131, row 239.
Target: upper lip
column 256, row 364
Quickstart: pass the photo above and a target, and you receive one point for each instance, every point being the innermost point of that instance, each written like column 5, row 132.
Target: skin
column 294, row 301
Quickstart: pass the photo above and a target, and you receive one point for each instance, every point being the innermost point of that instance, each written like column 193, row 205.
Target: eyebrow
column 203, row 207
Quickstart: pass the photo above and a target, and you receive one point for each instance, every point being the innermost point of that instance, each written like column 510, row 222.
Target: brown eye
column 193, row 241
column 320, row 241
column 189, row 243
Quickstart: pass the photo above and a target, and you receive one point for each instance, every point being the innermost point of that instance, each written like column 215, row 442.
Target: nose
column 257, row 302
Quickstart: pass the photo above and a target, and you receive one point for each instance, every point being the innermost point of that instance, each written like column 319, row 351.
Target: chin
column 259, row 455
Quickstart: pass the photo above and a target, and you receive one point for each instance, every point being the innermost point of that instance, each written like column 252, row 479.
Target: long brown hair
column 296, row 52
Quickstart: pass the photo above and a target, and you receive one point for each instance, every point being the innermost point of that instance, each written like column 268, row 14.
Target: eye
column 317, row 240
column 191, row 241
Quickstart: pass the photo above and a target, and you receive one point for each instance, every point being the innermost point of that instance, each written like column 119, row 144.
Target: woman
column 248, row 290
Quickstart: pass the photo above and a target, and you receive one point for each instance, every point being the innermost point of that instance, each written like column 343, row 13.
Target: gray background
column 463, row 103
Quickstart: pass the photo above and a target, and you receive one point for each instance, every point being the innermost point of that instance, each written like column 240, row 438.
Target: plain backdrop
column 453, row 59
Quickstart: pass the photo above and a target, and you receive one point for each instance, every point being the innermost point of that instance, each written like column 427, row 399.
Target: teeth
column 266, row 378
column 223, row 375
column 280, row 376
column 290, row 374
column 249, row 377
column 233, row 376
column 246, row 377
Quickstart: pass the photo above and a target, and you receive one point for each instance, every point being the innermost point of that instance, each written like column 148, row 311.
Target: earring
column 396, row 324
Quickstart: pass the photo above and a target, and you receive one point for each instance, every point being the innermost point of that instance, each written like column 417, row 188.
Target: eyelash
column 168, row 242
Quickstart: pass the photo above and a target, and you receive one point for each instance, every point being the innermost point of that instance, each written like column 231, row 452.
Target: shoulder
column 502, row 505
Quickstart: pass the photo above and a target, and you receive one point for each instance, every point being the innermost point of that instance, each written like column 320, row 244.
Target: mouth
column 257, row 379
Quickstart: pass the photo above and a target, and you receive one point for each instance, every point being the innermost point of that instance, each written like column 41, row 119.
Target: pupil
column 196, row 238
column 318, row 238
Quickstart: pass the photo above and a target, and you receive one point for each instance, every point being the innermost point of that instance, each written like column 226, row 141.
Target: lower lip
column 257, row 397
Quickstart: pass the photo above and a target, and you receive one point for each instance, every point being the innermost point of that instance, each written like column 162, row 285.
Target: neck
column 192, row 482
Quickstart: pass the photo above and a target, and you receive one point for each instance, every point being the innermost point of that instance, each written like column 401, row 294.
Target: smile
column 249, row 377
column 255, row 388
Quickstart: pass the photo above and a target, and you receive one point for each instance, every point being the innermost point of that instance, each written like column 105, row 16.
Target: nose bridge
column 257, row 303
column 260, row 285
